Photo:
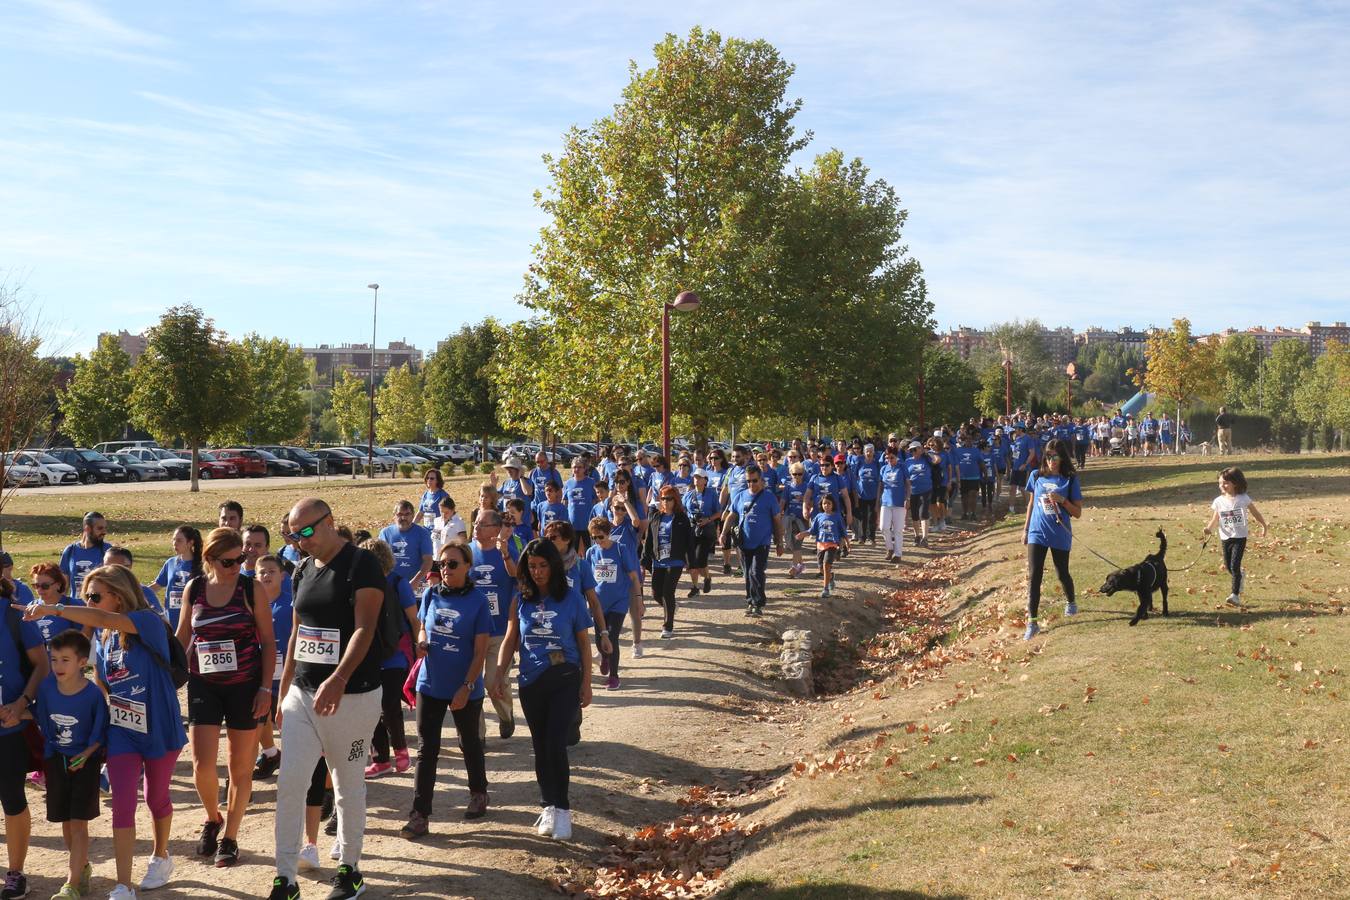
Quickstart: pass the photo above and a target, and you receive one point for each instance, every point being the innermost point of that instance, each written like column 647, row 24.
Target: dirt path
column 702, row 708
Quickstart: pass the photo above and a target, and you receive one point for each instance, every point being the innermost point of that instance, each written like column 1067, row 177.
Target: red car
column 210, row 467
column 250, row 463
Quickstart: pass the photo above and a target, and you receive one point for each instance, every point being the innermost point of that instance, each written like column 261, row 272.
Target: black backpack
column 177, row 663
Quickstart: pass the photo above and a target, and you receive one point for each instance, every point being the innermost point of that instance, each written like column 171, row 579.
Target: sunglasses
column 231, row 562
column 669, row 499
column 93, row 596
column 448, row 565
column 43, row 585
column 753, row 480
column 308, row 531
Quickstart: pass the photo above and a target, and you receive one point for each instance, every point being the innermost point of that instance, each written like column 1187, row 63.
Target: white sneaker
column 667, row 634
column 562, row 825
column 309, row 857
column 543, row 826
column 157, row 873
column 336, row 852
column 637, row 651
column 1234, row 600
column 122, row 892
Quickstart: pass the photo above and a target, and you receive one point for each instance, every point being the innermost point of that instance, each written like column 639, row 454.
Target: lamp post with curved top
column 685, row 301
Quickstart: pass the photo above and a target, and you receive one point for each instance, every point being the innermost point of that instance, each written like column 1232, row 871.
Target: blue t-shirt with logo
column 409, row 547
column 453, row 621
column 1022, row 448
column 430, row 504
column 920, row 474
column 283, row 618
column 827, row 528
column 70, row 722
column 143, row 711
column 833, row 484
column 894, row 479
column 550, row 627
column 489, row 574
column 665, row 530
column 756, row 512
column 700, row 505
column 715, row 479
column 406, row 601
column 611, row 570
column 793, row 492
column 546, row 512
column 77, row 562
column 173, row 577
column 1050, row 524
column 867, row 478
column 51, row 626
column 967, row 463
column 540, row 478
column 579, row 495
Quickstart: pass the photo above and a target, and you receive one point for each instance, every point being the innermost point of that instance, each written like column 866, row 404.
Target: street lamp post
column 1007, row 383
column 370, row 430
column 686, row 301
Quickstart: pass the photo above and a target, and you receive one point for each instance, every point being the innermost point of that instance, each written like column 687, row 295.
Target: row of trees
column 1306, row 400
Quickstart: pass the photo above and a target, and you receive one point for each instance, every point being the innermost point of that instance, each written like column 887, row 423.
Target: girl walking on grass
column 1054, row 498
column 1229, row 512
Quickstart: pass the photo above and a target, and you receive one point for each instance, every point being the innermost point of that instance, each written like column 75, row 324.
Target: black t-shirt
column 1223, row 420
column 325, row 608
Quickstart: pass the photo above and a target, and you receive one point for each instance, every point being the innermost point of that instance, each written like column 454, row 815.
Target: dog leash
column 1203, row 544
column 1198, row 557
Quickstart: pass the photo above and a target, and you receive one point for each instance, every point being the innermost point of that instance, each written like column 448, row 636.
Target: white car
column 50, row 469
column 20, row 473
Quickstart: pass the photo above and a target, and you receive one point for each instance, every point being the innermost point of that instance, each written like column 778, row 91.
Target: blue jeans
column 756, row 561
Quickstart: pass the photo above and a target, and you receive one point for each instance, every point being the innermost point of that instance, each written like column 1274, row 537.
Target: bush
column 405, row 469
column 1250, row 430
column 448, row 469
column 486, row 468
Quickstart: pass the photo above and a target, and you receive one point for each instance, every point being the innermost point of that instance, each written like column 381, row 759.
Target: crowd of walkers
column 306, row 656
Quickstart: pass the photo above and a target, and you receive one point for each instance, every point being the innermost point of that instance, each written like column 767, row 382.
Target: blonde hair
column 221, row 540
column 383, row 552
column 796, row 469
column 121, row 583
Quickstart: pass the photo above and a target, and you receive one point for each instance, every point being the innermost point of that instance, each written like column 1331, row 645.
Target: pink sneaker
column 38, row 779
column 376, row 769
column 402, row 761
column 613, row 683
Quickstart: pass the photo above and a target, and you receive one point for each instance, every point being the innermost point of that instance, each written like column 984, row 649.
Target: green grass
column 1208, row 762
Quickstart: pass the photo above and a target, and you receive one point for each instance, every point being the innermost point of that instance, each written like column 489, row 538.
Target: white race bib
column 318, row 645
column 607, row 571
column 428, row 519
column 174, row 600
column 494, row 605
column 281, row 661
column 128, row 714
column 216, row 656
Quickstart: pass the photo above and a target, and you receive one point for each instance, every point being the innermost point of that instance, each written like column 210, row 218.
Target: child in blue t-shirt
column 827, row 527
column 72, row 714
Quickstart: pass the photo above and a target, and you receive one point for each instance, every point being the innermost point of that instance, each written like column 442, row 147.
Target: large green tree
column 687, row 186
column 950, row 385
column 351, row 406
column 95, row 403
column 1179, row 369
column 278, row 376
column 1034, row 372
column 460, row 397
column 400, row 417
column 1105, row 370
column 25, row 401
column 1241, row 359
column 189, row 382
column 1284, row 370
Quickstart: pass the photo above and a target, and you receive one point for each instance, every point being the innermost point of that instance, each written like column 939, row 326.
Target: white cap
column 700, row 472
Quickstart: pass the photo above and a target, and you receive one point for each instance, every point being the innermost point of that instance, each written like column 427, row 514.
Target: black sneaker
column 227, row 854
column 266, row 766
column 208, row 843
column 330, row 827
column 326, row 808
column 347, row 883
column 506, row 729
column 726, row 568
column 284, row 890
column 693, row 591
column 16, row 885
column 707, row 583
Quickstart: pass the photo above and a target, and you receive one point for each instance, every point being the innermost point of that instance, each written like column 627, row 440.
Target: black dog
column 1143, row 579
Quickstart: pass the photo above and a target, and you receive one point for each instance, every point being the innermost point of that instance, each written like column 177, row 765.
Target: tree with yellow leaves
column 1179, row 368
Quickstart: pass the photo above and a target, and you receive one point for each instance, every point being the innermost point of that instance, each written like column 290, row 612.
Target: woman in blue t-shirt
column 24, row 650
column 131, row 661
column 179, row 569
column 454, row 625
column 429, row 506
column 1053, row 498
column 551, row 626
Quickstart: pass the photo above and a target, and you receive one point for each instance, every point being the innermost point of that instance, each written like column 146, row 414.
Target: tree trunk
column 196, row 460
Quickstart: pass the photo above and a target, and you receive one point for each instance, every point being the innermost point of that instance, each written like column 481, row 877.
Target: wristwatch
column 59, row 607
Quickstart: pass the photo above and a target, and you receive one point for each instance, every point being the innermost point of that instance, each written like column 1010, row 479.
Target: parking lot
column 222, row 485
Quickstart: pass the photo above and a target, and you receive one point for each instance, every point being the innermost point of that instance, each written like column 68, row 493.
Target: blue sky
column 1082, row 163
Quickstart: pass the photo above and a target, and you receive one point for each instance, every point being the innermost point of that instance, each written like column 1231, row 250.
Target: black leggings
column 614, row 625
column 430, row 719
column 390, row 727
column 1233, row 550
column 987, row 494
column 13, row 772
column 664, row 583
column 705, row 539
column 318, row 784
column 1080, row 451
column 552, row 703
column 1036, row 570
column 866, row 513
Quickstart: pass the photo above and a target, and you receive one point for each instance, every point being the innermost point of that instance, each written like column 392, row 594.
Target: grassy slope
column 1208, row 762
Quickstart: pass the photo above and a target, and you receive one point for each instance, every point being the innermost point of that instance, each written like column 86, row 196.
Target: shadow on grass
column 824, row 890
column 824, row 815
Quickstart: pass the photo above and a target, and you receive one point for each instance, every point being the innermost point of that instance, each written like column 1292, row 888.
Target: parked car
column 108, row 448
column 208, row 466
column 141, row 470
column 338, row 461
column 382, row 461
column 422, row 450
column 404, row 455
column 91, row 465
column 277, row 465
column 461, row 453
column 50, row 469
column 308, row 462
column 23, row 474
column 175, row 464
column 250, row 463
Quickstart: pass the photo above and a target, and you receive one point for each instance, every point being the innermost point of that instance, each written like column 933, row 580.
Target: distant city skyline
column 266, row 161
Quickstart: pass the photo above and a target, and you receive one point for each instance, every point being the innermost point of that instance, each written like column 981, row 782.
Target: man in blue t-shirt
column 757, row 519
column 411, row 544
column 86, row 554
column 494, row 574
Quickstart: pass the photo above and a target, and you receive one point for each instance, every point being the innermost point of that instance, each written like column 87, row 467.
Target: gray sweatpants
column 342, row 739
